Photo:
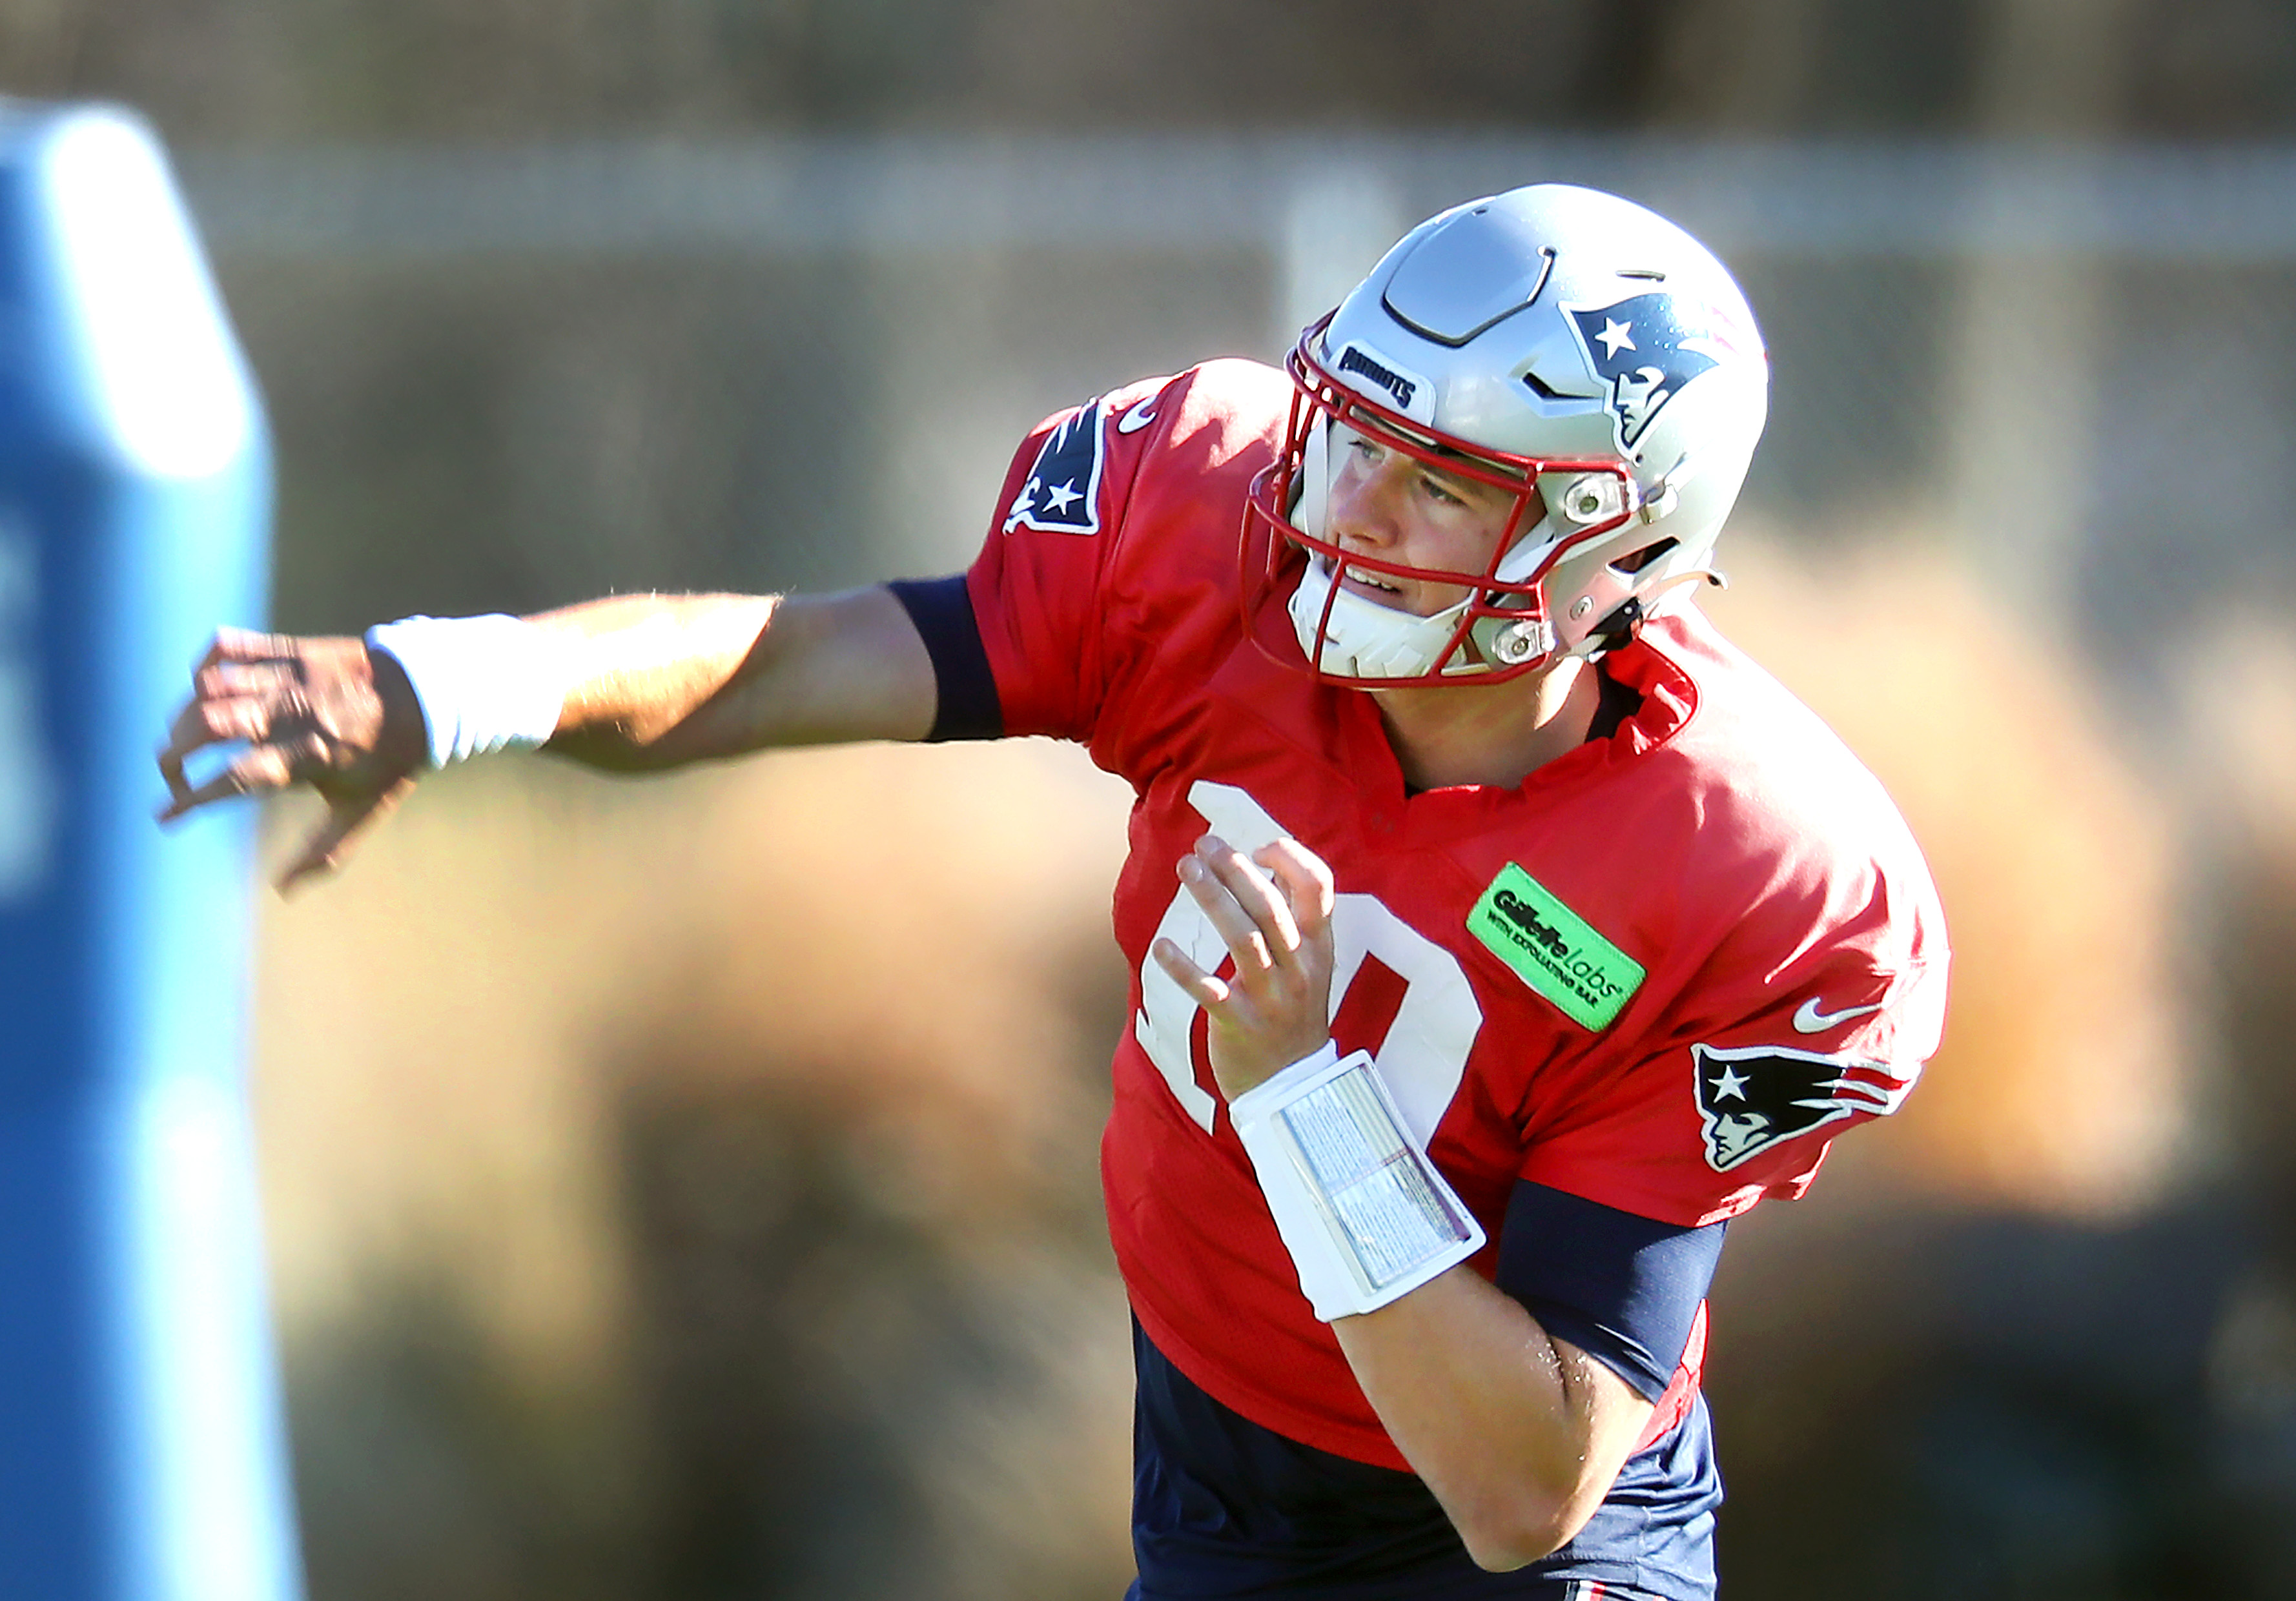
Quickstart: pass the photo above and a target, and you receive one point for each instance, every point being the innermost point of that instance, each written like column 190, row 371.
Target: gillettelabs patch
column 1554, row 949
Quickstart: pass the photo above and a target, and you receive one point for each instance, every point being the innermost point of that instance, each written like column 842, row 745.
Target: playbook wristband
column 1365, row 1215
column 485, row 685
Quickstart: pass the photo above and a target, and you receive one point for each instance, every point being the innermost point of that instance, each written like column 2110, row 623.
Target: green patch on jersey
column 1554, row 949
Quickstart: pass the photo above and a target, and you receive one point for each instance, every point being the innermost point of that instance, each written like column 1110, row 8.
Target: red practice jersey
column 1661, row 975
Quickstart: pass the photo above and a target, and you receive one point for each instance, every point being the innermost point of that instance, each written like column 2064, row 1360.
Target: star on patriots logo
column 1752, row 1097
column 1646, row 348
column 1062, row 493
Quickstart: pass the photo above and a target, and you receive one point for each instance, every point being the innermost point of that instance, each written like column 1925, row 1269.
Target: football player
column 1498, row 930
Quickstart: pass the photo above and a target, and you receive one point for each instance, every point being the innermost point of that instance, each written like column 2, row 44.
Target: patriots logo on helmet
column 1647, row 351
column 1752, row 1097
column 1062, row 493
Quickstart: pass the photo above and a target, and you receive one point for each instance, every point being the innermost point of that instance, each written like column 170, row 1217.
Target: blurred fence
column 803, row 362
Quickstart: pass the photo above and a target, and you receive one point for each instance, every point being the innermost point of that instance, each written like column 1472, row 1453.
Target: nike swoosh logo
column 1808, row 1020
column 1139, row 417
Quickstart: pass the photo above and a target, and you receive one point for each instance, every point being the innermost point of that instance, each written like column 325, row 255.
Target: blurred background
column 685, row 1189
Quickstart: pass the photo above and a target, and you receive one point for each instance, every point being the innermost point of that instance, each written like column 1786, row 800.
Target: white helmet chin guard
column 1573, row 350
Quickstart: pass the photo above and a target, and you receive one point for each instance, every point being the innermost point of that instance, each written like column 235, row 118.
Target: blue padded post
column 141, row 1444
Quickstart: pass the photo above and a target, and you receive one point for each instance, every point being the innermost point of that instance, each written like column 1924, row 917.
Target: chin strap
column 1360, row 637
column 1615, row 631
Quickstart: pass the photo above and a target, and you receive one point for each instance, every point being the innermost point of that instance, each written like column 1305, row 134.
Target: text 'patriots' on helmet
column 1571, row 348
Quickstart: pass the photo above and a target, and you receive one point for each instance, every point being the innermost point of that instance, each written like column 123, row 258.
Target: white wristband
column 485, row 685
column 1365, row 1215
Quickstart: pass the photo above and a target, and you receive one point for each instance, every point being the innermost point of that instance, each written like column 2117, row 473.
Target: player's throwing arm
column 630, row 683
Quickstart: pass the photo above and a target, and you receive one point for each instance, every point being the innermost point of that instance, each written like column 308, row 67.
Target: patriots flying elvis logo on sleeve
column 1645, row 349
column 1752, row 1097
column 1062, row 493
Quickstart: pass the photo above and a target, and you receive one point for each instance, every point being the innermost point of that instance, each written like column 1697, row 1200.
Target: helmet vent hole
column 1541, row 388
column 1653, row 274
column 1634, row 561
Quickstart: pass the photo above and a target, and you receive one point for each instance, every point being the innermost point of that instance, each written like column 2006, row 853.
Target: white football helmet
column 1571, row 347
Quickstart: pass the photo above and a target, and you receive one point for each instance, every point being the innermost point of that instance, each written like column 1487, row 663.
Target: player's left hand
column 1274, row 909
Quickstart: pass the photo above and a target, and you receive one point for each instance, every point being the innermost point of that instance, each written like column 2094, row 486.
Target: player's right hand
column 323, row 713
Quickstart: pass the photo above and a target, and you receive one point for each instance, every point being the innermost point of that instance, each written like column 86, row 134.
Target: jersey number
column 1424, row 1053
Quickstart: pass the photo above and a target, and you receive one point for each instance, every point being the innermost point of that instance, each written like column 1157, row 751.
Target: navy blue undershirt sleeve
column 1624, row 1289
column 942, row 611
